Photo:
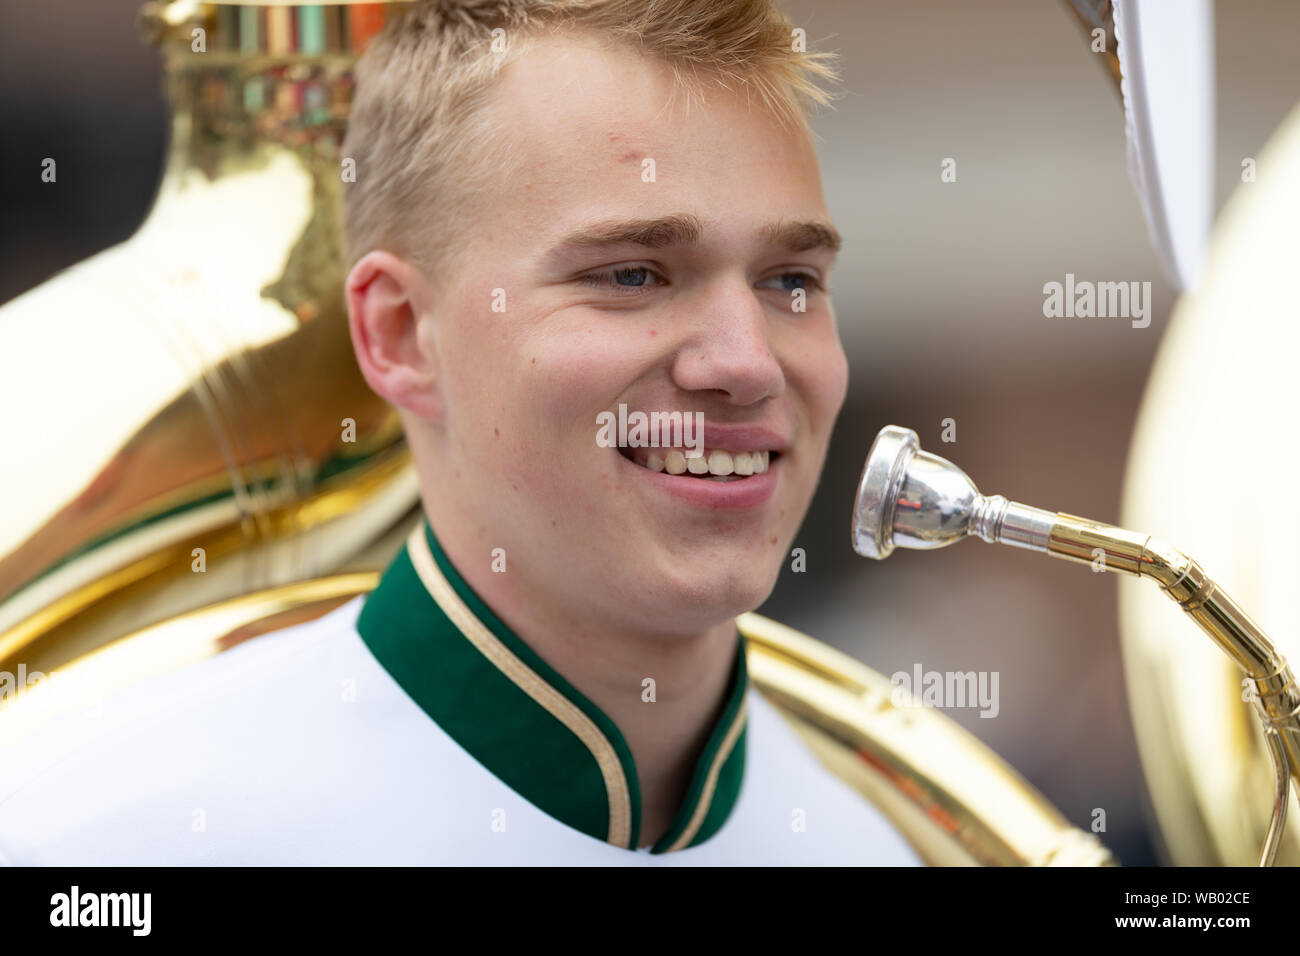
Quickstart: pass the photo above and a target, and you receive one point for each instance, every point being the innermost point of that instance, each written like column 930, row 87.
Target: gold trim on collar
column 555, row 703
column 711, row 781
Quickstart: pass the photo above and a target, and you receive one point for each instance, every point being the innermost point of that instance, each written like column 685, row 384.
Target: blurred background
column 939, row 296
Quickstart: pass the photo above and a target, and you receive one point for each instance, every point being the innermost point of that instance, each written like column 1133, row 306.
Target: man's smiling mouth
column 714, row 464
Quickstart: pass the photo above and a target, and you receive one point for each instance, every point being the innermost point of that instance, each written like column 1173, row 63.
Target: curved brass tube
column 1276, row 695
column 915, row 499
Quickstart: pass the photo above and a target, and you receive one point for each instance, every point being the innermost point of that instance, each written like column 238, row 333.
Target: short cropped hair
column 416, row 134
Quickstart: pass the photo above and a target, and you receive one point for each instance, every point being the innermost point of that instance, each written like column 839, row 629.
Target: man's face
column 703, row 323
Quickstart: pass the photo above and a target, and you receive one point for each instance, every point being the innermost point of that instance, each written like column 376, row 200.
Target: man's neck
column 665, row 693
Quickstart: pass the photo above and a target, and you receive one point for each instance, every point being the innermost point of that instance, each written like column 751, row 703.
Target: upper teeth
column 716, row 461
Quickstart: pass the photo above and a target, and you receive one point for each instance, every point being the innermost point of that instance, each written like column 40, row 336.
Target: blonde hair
column 421, row 151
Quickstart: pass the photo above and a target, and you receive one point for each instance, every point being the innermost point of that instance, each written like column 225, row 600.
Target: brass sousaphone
column 234, row 475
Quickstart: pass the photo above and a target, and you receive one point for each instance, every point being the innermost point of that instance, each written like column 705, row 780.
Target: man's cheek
column 822, row 372
column 555, row 484
column 830, row 378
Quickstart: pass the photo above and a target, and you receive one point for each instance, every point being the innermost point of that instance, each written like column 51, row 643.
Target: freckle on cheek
column 773, row 539
column 497, row 432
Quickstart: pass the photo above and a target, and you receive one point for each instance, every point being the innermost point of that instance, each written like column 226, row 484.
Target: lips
column 716, row 464
column 729, row 468
column 716, row 494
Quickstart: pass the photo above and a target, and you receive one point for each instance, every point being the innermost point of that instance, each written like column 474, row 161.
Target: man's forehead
column 585, row 120
column 569, row 95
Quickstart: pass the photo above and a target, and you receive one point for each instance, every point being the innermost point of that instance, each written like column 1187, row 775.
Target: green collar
column 524, row 722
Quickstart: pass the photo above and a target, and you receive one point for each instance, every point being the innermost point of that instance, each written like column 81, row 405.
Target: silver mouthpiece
column 909, row 498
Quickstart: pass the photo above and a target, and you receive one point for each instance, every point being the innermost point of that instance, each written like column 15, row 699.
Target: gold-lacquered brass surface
column 1268, row 676
column 194, row 387
column 954, row 800
column 1209, row 467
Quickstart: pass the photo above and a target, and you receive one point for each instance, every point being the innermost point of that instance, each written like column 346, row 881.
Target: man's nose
column 729, row 349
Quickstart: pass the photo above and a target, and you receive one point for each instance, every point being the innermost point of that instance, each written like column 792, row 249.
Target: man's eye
column 631, row 280
column 622, row 280
column 790, row 281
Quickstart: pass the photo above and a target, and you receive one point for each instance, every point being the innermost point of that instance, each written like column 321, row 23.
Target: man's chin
column 713, row 596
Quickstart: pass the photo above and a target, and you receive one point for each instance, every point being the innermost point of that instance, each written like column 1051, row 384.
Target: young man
column 565, row 213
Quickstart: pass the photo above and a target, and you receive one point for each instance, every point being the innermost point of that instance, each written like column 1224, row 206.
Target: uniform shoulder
column 153, row 725
column 242, row 670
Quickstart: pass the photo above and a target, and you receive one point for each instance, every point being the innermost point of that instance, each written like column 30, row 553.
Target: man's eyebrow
column 685, row 229
column 803, row 236
column 674, row 230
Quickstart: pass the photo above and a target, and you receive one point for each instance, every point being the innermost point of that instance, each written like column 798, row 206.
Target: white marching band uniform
column 408, row 727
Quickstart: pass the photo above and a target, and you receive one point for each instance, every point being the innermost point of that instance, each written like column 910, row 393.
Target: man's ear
column 384, row 294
